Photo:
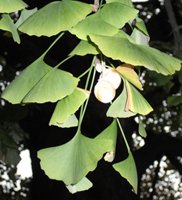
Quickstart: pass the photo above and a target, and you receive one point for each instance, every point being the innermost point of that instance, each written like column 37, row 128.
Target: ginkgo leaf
column 8, row 6
column 83, row 48
column 136, row 102
column 6, row 24
column 140, row 24
column 82, row 185
column 93, row 24
column 40, row 83
column 127, row 169
column 68, row 106
column 118, row 107
column 117, row 14
column 71, row 162
column 139, row 37
column 141, row 129
column 119, row 48
column 65, row 14
column 129, row 73
column 72, row 121
column 126, row 2
column 25, row 14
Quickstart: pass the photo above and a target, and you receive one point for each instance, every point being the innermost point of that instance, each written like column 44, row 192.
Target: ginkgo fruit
column 104, row 91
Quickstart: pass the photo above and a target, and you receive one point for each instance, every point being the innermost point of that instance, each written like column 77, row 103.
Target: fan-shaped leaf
column 117, row 14
column 6, row 24
column 72, row 161
column 93, row 24
column 127, row 169
column 118, row 107
column 68, row 106
column 8, row 6
column 136, row 102
column 139, row 55
column 40, row 83
column 126, row 2
column 128, row 72
column 64, row 14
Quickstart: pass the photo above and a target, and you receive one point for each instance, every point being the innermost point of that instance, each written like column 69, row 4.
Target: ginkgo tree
column 101, row 29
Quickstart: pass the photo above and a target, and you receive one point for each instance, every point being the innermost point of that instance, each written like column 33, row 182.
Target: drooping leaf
column 141, row 129
column 129, row 73
column 82, row 185
column 136, row 102
column 117, row 14
column 68, row 106
column 139, row 37
column 6, row 24
column 72, row 161
column 25, row 14
column 55, row 17
column 8, row 6
column 139, row 55
column 126, row 2
column 84, row 48
column 127, row 169
column 40, row 83
column 93, row 24
column 174, row 100
column 118, row 107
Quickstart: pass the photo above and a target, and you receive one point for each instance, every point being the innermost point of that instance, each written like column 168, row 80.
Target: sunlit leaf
column 141, row 129
column 25, row 14
column 72, row 121
column 139, row 37
column 8, row 6
column 71, row 162
column 68, row 106
column 93, row 24
column 55, row 17
column 6, row 24
column 127, row 169
column 139, row 55
column 118, row 107
column 84, row 48
column 136, row 102
column 129, row 73
column 126, row 2
column 82, row 185
column 117, row 14
column 40, row 83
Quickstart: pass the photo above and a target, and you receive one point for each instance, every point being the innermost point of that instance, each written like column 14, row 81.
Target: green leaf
column 139, row 55
column 55, row 17
column 6, row 24
column 40, row 83
column 117, row 14
column 127, row 169
column 136, row 102
column 139, row 37
column 68, row 106
column 71, row 162
column 118, row 107
column 84, row 48
column 8, row 6
column 141, row 129
column 72, row 121
column 126, row 2
column 141, row 26
column 25, row 14
column 128, row 72
column 82, row 185
column 93, row 24
column 174, row 100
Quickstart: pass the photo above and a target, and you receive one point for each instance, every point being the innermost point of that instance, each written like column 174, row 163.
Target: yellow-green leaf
column 8, row 6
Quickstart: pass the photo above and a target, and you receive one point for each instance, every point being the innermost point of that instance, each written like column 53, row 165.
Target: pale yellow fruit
column 104, row 91
column 112, row 76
